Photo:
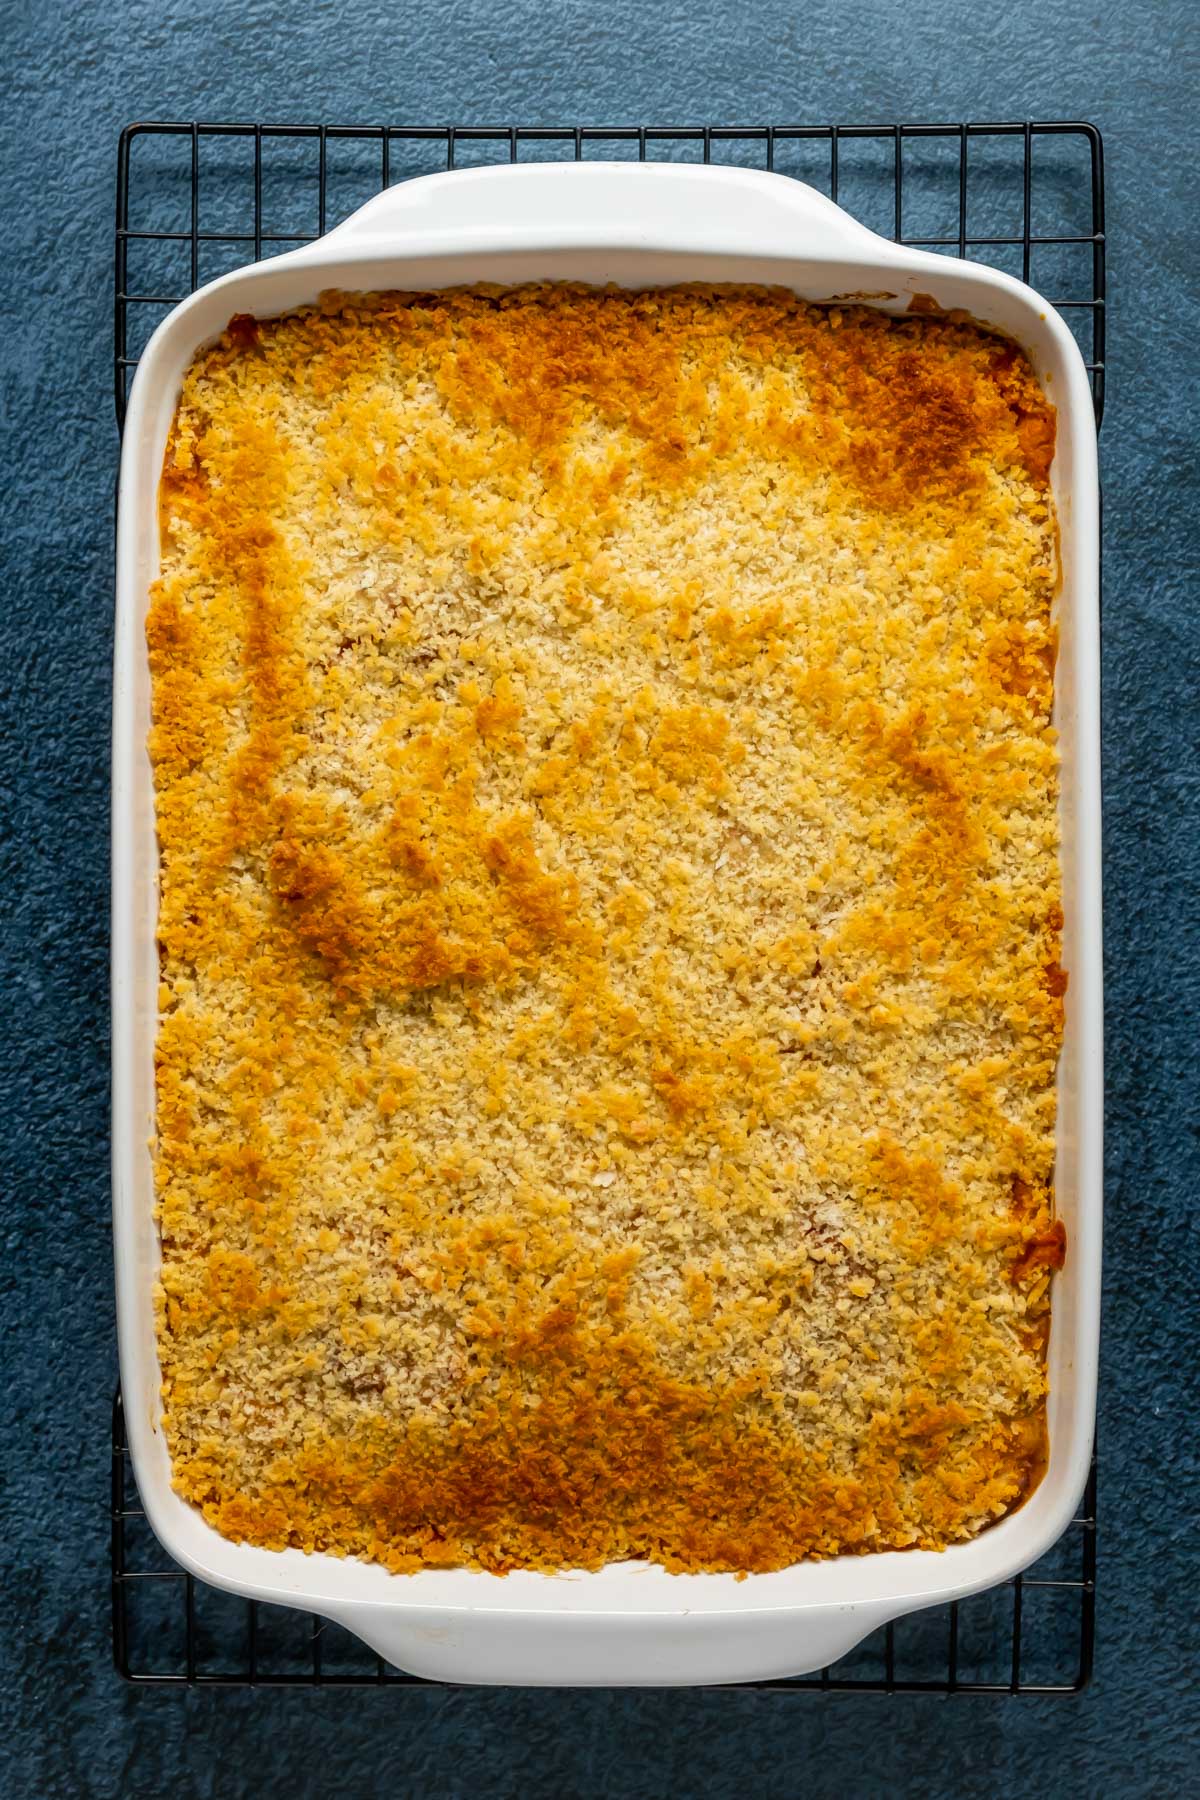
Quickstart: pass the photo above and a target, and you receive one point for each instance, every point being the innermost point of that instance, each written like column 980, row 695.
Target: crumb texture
column 610, row 928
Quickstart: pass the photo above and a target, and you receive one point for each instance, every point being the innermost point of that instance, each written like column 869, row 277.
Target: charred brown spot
column 1044, row 1250
column 1036, row 434
column 242, row 331
column 1056, row 979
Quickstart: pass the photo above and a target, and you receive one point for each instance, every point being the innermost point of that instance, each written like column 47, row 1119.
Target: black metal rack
column 195, row 199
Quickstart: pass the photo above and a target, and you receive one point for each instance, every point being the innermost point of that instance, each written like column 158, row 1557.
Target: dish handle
column 559, row 1648
column 661, row 206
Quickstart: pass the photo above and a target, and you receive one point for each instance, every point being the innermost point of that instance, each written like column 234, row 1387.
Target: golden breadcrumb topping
column 610, row 928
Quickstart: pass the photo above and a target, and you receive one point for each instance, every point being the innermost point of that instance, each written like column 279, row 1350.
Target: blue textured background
column 77, row 71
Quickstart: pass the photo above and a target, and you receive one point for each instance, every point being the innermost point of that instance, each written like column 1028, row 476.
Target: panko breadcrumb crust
column 610, row 925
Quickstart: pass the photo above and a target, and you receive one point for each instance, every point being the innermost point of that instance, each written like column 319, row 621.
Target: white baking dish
column 637, row 226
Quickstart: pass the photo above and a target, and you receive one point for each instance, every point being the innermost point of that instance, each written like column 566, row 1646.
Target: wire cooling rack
column 197, row 199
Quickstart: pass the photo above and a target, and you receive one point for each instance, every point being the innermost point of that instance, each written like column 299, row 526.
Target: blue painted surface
column 77, row 71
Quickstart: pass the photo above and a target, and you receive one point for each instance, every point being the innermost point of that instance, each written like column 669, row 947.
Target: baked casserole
column 610, row 989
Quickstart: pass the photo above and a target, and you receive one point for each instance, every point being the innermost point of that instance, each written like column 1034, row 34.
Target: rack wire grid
column 196, row 199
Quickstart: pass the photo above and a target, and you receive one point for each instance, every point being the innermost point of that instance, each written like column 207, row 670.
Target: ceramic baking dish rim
column 640, row 226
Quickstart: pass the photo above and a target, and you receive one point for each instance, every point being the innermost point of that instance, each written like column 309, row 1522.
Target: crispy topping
column 610, row 928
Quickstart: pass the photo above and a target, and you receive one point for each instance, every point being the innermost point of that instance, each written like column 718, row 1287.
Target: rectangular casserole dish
column 640, row 227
